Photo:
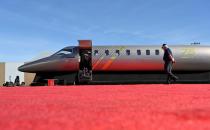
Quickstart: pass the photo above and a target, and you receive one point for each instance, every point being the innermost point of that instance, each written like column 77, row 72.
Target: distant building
column 9, row 71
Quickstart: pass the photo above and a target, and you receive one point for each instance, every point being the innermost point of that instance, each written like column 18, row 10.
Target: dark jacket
column 166, row 56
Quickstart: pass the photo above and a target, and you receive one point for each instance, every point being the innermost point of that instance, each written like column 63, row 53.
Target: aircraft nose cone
column 22, row 68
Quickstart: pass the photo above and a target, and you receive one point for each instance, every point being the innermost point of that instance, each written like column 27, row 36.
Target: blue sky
column 28, row 28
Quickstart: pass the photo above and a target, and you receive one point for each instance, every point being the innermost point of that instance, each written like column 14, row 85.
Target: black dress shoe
column 175, row 79
column 169, row 81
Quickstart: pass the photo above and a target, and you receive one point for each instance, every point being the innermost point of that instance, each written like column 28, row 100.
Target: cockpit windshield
column 64, row 52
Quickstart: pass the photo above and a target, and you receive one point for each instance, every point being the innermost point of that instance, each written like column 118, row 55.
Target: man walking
column 169, row 60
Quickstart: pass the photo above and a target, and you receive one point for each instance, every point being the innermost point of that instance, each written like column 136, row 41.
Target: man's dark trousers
column 168, row 67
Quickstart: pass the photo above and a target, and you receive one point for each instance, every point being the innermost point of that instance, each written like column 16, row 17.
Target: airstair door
column 85, row 65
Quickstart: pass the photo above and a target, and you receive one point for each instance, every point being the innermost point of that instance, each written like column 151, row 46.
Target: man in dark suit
column 168, row 63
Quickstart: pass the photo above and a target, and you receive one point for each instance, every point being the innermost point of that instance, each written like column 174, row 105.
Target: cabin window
column 128, row 52
column 117, row 52
column 147, row 52
column 157, row 52
column 138, row 52
column 96, row 52
column 107, row 52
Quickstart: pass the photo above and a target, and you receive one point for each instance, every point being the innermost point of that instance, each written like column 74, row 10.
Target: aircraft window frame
column 96, row 52
column 148, row 52
column 157, row 52
column 138, row 52
column 107, row 52
column 117, row 52
column 65, row 52
column 128, row 52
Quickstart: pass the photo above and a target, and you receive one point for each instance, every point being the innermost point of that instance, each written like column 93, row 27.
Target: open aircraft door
column 85, row 65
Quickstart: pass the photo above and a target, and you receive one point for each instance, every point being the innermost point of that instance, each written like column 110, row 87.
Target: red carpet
column 110, row 107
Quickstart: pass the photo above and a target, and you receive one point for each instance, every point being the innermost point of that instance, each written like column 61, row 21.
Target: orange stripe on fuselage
column 98, row 62
column 108, row 64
